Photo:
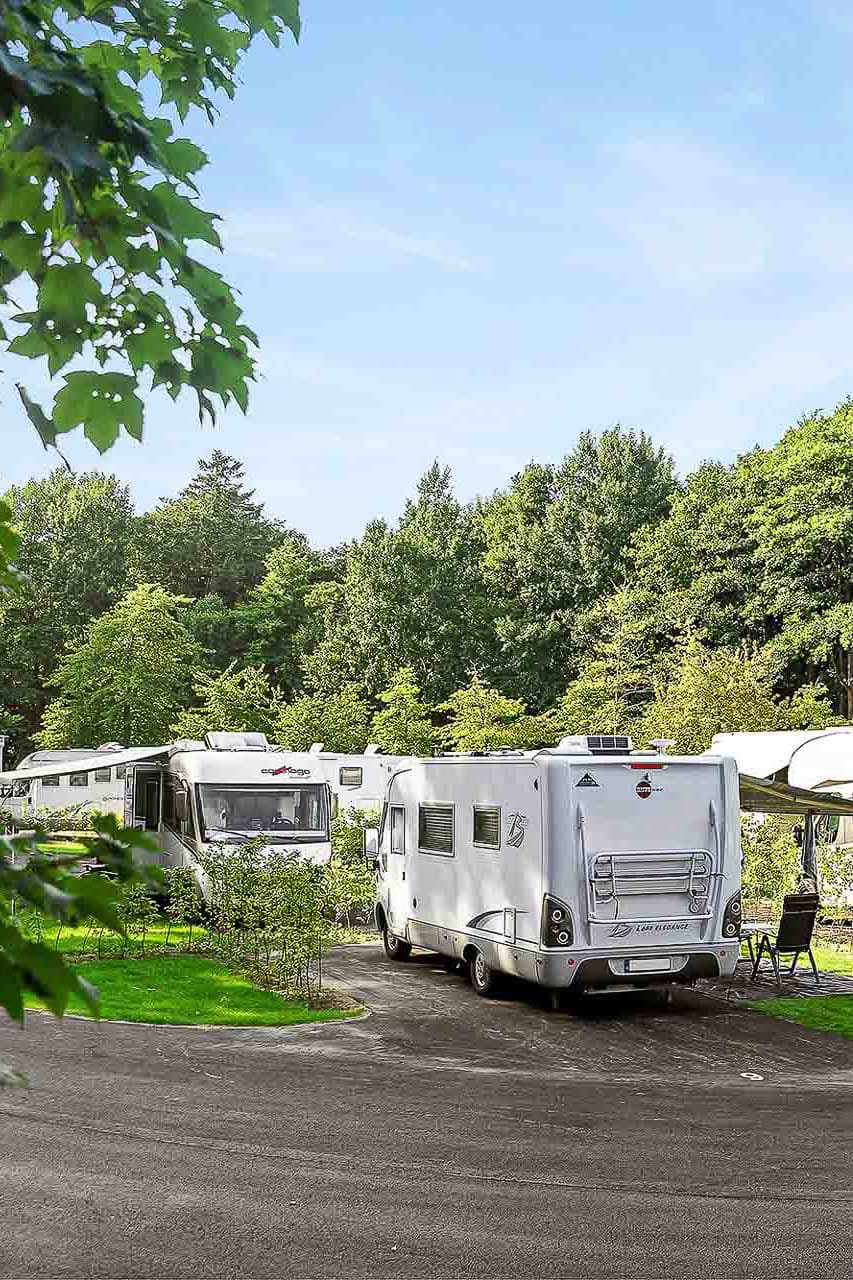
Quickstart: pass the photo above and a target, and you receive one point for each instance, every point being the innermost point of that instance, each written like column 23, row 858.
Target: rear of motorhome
column 587, row 866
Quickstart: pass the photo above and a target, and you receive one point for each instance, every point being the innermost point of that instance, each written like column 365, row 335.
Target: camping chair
column 794, row 934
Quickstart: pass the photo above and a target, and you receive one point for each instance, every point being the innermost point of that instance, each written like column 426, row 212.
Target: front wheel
column 395, row 948
column 484, row 979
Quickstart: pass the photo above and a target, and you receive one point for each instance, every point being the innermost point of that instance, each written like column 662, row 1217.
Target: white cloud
column 326, row 238
column 689, row 215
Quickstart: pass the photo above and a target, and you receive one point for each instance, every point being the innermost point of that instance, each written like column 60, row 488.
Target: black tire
column 395, row 948
column 484, row 979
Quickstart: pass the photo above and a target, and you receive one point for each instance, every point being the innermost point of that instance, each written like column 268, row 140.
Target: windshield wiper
column 229, row 831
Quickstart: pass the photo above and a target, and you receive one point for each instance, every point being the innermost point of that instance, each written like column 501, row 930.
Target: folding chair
column 793, row 936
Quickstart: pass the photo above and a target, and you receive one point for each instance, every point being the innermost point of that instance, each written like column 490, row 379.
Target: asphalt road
column 443, row 1136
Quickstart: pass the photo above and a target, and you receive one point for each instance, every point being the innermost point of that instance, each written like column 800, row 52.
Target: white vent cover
column 236, row 741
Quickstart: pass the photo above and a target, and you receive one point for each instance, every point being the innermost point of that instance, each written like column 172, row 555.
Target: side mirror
column 370, row 845
column 181, row 806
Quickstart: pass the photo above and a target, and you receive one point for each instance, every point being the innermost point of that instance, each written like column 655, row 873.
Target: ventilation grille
column 435, row 827
column 487, row 827
column 609, row 744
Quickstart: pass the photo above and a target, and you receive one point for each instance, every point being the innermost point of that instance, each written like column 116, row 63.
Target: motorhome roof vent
column 186, row 744
column 110, row 746
column 372, row 749
column 316, row 748
column 236, row 741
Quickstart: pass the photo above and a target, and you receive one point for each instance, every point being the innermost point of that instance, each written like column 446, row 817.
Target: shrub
column 349, row 885
column 265, row 912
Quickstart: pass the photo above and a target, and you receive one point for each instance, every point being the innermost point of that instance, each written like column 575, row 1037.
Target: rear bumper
column 600, row 969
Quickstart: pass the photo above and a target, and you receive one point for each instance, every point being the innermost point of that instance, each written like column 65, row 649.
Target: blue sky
column 470, row 231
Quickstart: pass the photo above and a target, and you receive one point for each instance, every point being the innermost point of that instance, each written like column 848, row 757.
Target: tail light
column 732, row 917
column 558, row 928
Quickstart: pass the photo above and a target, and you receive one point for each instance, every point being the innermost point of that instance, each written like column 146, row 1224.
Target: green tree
column 218, row 630
column 210, row 540
column 98, row 203
column 128, row 678
column 613, row 685
column 230, row 701
column 696, row 571
column 404, row 725
column 726, row 691
column 73, row 535
column 413, row 596
column 802, row 522
column 339, row 720
column 276, row 620
column 482, row 719
column 558, row 543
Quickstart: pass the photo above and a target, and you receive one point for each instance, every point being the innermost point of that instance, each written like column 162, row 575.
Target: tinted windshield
column 284, row 813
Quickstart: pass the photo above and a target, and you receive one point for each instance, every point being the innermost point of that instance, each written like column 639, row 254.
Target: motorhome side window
column 487, row 826
column 172, row 785
column 102, row 775
column 50, row 782
column 78, row 780
column 351, row 777
column 435, row 828
column 398, row 829
column 121, row 772
column 169, row 801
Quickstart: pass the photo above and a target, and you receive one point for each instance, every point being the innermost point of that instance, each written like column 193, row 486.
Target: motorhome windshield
column 282, row 813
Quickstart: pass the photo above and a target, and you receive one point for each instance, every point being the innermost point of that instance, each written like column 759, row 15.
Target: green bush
column 265, row 914
column 771, row 858
column 349, row 884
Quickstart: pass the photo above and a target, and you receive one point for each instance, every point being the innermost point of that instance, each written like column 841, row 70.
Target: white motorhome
column 77, row 779
column 586, row 866
column 195, row 795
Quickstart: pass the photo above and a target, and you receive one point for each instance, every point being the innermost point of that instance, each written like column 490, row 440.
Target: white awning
column 761, row 754
column 824, row 761
column 85, row 764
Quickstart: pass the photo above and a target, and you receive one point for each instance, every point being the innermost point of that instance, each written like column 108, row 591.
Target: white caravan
column 585, row 866
column 194, row 795
column 80, row 779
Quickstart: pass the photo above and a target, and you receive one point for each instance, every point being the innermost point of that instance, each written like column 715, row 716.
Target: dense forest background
column 599, row 594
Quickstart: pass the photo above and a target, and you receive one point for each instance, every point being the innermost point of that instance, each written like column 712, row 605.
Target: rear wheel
column 395, row 948
column 484, row 979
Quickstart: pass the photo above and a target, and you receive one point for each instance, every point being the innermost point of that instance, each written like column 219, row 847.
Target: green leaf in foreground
column 102, row 403
column 99, row 204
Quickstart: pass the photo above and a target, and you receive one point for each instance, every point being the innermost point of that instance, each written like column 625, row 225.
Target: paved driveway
column 442, row 1136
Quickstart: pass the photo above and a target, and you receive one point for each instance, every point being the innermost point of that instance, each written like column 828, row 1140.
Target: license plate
column 654, row 964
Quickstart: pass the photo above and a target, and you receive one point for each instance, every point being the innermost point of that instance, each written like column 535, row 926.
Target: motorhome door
column 142, row 789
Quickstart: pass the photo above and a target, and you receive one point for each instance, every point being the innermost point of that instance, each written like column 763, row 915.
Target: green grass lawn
column 829, row 959
column 190, row 990
column 78, row 847
column 821, row 1013
column 81, row 939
